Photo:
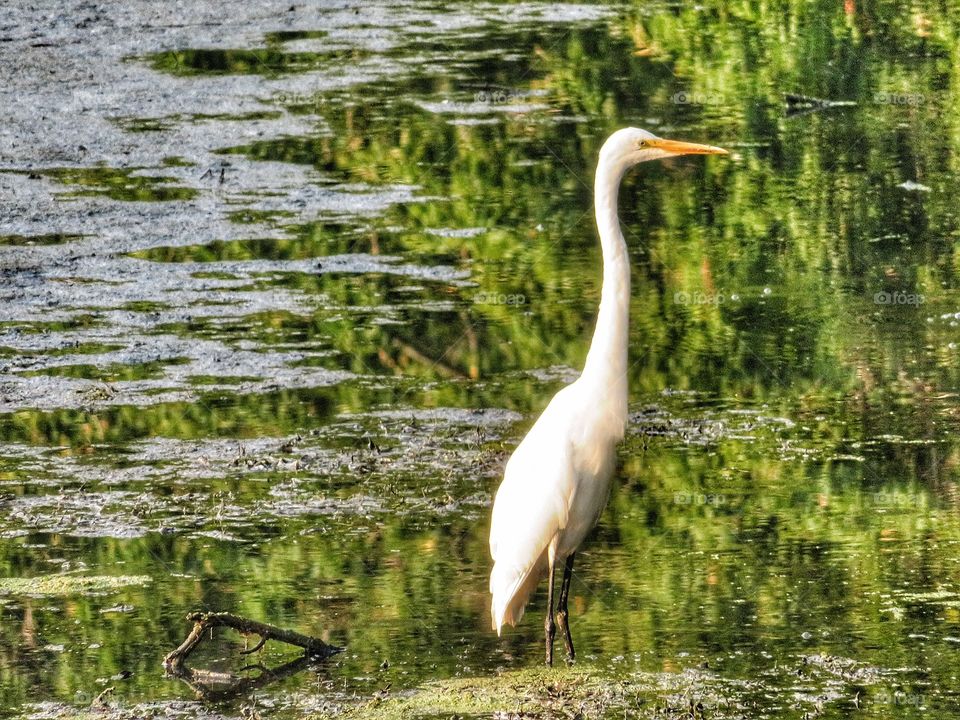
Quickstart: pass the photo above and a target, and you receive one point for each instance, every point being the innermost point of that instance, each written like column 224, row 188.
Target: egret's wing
column 533, row 501
column 531, row 506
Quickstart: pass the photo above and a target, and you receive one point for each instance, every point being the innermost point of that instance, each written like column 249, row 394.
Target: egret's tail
column 511, row 589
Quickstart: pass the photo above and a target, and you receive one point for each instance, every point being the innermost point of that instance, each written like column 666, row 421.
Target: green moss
column 541, row 692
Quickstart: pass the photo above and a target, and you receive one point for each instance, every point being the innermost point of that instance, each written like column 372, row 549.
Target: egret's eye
column 641, row 144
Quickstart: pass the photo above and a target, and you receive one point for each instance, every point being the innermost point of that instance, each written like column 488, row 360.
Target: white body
column 557, row 481
column 554, row 488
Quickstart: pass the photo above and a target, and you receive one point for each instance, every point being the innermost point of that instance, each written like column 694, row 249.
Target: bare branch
column 207, row 621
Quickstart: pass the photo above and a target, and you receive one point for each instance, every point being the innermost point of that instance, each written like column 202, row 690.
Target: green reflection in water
column 74, row 348
column 118, row 184
column 767, row 286
column 114, row 372
column 74, row 322
column 52, row 239
column 267, row 61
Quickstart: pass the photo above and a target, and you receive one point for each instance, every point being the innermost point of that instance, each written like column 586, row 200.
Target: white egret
column 557, row 481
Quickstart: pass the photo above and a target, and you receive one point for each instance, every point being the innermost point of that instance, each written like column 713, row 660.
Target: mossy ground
column 829, row 687
column 543, row 693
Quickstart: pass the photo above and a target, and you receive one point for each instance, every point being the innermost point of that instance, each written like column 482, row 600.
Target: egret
column 557, row 481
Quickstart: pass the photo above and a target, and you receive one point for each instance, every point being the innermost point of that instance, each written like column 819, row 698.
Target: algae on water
column 59, row 585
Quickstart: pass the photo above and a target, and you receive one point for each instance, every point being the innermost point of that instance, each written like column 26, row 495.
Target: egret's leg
column 548, row 628
column 562, row 620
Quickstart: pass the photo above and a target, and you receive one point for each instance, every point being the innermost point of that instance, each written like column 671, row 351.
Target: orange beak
column 676, row 147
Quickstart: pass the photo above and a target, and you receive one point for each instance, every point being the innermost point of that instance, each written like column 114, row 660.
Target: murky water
column 282, row 287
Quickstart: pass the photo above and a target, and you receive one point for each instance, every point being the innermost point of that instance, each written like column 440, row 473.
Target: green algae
column 64, row 585
column 542, row 693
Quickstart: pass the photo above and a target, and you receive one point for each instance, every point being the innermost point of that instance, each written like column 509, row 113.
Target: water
column 283, row 288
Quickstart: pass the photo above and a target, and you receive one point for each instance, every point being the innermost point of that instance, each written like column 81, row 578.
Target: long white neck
column 606, row 365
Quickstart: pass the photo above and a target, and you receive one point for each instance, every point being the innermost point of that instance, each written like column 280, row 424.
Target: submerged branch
column 202, row 622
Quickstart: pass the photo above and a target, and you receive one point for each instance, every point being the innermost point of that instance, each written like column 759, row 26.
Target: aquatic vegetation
column 65, row 585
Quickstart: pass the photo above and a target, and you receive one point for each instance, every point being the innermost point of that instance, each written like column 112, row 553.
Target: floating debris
column 911, row 186
column 803, row 104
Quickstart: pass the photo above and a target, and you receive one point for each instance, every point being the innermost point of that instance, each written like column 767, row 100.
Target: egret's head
column 629, row 146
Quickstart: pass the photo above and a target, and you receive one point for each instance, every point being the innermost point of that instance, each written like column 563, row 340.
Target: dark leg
column 562, row 608
column 548, row 629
